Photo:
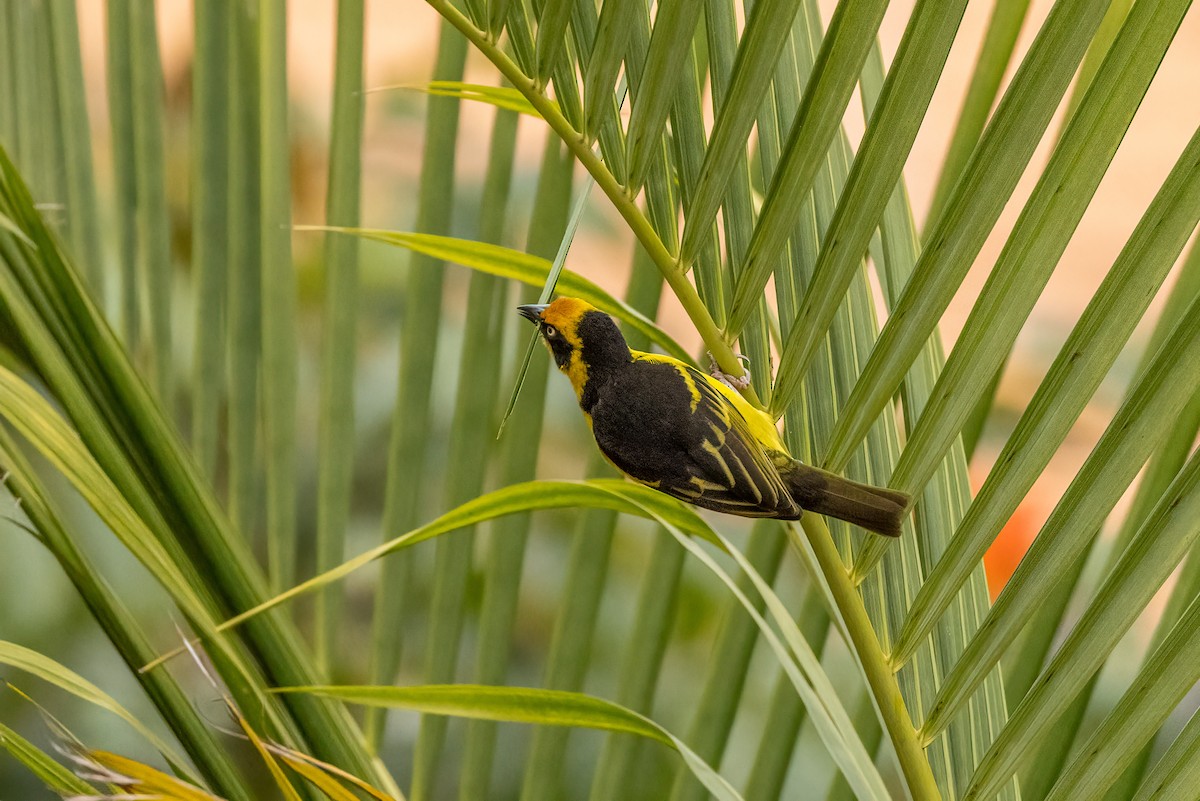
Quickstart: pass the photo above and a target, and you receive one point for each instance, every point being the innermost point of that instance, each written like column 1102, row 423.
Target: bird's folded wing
column 729, row 470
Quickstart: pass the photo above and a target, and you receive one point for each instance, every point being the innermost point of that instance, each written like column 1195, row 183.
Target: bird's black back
column 663, row 424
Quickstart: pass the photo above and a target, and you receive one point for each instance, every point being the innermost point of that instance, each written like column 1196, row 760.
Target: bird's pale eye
column 550, row 331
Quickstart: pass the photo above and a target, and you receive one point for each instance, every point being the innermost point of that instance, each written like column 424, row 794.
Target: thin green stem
column 335, row 427
column 279, row 316
column 212, row 98
column 625, row 203
column 875, row 666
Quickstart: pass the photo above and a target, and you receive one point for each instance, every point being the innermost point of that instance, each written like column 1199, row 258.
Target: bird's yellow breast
column 577, row 371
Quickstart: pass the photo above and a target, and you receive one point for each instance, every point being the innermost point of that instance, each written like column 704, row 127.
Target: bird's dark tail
column 874, row 508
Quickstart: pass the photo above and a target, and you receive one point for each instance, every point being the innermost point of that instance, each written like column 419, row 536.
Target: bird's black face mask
column 559, row 347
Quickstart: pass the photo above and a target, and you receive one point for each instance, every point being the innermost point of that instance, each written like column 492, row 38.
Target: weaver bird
column 671, row 427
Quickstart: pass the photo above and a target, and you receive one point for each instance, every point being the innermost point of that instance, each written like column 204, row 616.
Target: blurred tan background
column 401, row 40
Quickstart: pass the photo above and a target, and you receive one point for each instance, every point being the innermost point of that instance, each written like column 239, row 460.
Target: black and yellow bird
column 671, row 427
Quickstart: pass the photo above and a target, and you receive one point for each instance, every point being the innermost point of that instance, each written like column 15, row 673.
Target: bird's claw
column 736, row 383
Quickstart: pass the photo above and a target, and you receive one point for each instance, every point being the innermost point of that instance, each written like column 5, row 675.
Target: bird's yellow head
column 582, row 339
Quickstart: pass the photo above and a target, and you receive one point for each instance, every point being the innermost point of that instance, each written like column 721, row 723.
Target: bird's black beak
column 532, row 312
